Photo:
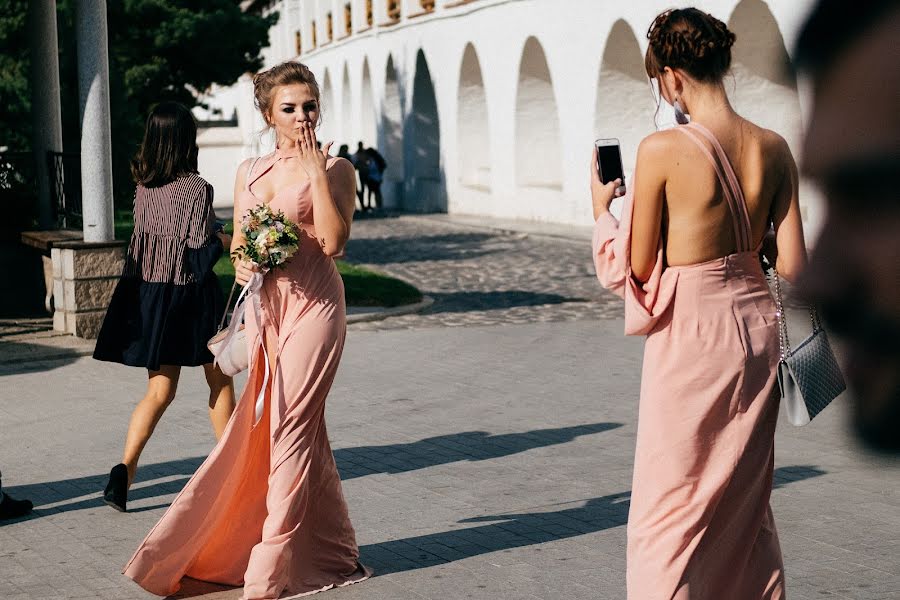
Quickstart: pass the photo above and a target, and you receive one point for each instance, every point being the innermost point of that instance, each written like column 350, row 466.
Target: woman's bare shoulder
column 657, row 150
column 245, row 166
column 664, row 139
column 340, row 168
column 338, row 162
column 658, row 147
column 770, row 142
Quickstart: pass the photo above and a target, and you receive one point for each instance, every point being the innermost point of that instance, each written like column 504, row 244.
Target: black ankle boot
column 13, row 509
column 116, row 492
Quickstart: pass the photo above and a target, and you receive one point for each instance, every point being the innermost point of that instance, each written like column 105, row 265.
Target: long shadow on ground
column 352, row 463
column 402, row 249
column 493, row 300
column 445, row 449
column 501, row 532
column 515, row 530
column 18, row 357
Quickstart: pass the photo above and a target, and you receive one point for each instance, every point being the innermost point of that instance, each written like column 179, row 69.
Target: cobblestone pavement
column 484, row 463
column 482, row 277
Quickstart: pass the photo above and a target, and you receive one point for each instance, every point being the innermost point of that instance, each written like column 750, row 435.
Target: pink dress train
column 700, row 526
column 266, row 509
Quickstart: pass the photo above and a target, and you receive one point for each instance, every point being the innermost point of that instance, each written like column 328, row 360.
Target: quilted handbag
column 229, row 345
column 809, row 377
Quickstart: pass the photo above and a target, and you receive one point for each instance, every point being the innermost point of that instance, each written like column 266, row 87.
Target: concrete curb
column 86, row 348
column 406, row 309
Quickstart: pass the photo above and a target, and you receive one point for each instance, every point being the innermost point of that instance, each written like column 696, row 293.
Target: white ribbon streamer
column 250, row 292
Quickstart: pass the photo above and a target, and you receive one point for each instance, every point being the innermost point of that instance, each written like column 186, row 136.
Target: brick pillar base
column 84, row 278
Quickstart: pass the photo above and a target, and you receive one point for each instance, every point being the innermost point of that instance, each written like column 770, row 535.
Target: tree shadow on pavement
column 84, row 492
column 56, row 496
column 397, row 249
column 444, row 449
column 515, row 530
column 23, row 357
column 493, row 300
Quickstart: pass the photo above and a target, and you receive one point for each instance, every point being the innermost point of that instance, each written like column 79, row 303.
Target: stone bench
column 80, row 276
column 43, row 242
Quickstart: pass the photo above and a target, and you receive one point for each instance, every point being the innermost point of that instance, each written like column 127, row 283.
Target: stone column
column 85, row 272
column 46, row 116
column 96, row 145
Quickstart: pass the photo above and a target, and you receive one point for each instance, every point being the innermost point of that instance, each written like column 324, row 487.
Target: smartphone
column 609, row 162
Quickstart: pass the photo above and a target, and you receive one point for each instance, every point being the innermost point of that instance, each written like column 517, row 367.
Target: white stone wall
column 221, row 151
column 490, row 107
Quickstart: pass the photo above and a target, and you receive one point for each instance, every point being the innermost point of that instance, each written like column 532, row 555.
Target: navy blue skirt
column 152, row 324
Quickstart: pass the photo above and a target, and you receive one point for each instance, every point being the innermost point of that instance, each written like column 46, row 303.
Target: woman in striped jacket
column 168, row 302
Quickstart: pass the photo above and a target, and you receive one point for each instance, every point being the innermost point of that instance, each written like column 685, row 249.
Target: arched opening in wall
column 347, row 125
column 474, row 144
column 538, row 143
column 764, row 87
column 625, row 108
column 369, row 133
column 390, row 138
column 424, row 187
column 328, row 111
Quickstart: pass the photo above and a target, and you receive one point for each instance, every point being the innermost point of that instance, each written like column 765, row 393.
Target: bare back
column 695, row 223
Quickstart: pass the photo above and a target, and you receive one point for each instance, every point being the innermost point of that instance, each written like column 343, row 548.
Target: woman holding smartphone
column 168, row 302
column 685, row 256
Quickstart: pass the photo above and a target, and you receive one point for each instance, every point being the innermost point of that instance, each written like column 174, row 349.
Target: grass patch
column 363, row 287
column 370, row 288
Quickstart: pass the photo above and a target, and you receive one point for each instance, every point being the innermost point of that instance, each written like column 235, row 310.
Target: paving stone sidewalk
column 479, row 462
column 481, row 276
column 483, row 462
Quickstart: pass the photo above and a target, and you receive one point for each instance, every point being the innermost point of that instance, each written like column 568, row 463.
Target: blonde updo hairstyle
column 287, row 73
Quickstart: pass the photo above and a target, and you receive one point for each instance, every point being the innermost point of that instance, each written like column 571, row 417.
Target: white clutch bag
column 229, row 345
column 230, row 357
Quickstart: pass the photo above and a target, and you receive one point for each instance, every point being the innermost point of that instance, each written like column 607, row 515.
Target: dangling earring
column 680, row 117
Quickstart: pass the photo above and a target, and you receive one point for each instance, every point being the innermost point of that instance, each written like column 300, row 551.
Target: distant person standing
column 168, row 302
column 362, row 162
column 10, row 508
column 344, row 152
column 377, row 167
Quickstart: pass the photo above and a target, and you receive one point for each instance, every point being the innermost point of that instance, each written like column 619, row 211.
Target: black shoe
column 13, row 509
column 116, row 492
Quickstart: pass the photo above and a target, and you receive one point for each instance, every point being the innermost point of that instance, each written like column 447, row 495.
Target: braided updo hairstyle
column 690, row 40
column 286, row 73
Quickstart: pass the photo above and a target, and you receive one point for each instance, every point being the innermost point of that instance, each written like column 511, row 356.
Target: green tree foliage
column 158, row 50
column 167, row 50
column 173, row 50
column 15, row 123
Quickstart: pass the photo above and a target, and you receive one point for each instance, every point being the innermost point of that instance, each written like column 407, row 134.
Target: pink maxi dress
column 266, row 509
column 700, row 526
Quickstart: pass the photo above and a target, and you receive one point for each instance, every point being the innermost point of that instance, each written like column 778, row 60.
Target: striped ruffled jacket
column 173, row 239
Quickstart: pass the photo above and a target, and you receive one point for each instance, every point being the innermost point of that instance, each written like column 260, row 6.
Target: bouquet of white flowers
column 270, row 237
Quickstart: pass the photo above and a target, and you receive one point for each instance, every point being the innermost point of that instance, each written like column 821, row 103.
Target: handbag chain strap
column 227, row 304
column 784, row 343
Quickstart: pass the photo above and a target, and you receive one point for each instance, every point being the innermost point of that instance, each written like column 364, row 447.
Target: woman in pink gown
column 686, row 258
column 266, row 509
